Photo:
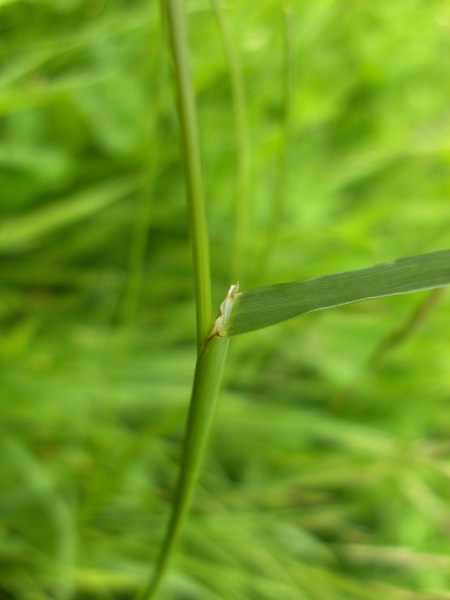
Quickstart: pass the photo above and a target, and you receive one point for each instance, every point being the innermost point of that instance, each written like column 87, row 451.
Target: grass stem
column 190, row 141
column 212, row 352
column 239, row 256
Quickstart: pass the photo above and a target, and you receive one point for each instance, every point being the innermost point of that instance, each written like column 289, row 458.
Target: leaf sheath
column 208, row 376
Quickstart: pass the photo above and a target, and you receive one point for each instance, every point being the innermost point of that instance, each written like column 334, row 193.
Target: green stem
column 208, row 376
column 275, row 222
column 242, row 144
column 211, row 353
column 192, row 163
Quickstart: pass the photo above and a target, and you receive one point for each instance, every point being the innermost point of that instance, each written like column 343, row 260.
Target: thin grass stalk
column 239, row 254
column 286, row 125
column 190, row 141
column 134, row 282
column 136, row 261
column 272, row 234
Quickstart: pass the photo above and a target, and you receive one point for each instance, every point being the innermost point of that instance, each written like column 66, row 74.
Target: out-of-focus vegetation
column 328, row 476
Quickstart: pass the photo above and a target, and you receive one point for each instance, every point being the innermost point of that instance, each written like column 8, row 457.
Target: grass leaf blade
column 265, row 306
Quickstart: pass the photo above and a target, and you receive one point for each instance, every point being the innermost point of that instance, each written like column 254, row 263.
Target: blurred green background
column 328, row 475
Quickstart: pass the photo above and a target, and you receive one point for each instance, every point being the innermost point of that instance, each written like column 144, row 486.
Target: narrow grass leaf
column 265, row 306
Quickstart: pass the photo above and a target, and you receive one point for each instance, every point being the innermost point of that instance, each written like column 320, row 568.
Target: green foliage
column 328, row 475
column 265, row 306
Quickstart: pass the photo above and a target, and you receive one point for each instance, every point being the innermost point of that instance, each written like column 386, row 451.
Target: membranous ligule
column 225, row 312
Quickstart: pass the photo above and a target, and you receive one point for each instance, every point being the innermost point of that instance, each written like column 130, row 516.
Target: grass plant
column 327, row 476
column 242, row 312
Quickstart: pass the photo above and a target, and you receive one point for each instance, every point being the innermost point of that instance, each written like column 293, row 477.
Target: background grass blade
column 243, row 152
column 25, row 230
column 265, row 306
column 42, row 490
